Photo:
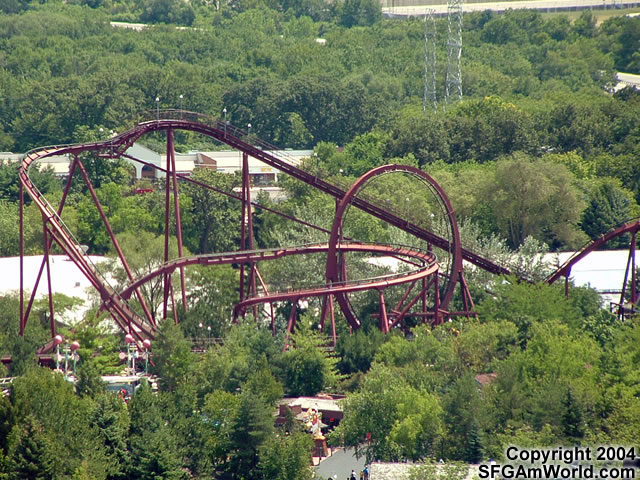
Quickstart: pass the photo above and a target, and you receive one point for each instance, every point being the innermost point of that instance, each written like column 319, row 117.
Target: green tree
column 215, row 218
column 388, row 420
column 51, row 401
column 462, row 407
column 250, row 427
column 360, row 13
column 217, row 287
column 109, row 420
column 609, row 206
column 31, row 454
column 218, row 411
column 585, row 25
column 363, row 153
column 356, row 351
column 153, row 450
column 172, row 357
column 286, row 457
column 308, row 368
column 89, row 381
column 536, row 199
column 167, row 11
column 144, row 252
column 572, row 422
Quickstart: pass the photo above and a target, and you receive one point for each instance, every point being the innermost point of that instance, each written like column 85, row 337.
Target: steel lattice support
column 429, row 97
column 453, row 87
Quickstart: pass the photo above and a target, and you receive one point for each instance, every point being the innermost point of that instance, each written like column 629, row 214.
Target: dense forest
column 540, row 154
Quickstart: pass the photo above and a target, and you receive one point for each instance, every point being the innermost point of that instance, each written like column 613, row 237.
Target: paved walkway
column 339, row 464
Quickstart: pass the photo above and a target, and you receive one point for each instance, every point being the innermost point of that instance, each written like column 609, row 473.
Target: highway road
column 542, row 5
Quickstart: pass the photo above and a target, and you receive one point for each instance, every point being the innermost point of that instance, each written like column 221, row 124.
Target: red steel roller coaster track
column 116, row 304
column 143, row 326
column 632, row 228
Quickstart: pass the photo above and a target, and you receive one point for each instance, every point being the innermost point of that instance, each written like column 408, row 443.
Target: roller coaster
column 427, row 283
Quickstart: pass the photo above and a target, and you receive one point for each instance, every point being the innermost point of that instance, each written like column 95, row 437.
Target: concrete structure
column 263, row 177
column 626, row 80
column 225, row 161
column 407, row 8
column 58, row 163
column 401, row 471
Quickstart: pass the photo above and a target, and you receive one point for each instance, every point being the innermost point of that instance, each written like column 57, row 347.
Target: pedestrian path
column 340, row 464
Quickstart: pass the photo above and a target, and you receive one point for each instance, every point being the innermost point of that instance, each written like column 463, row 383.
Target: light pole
column 57, row 340
column 249, row 132
column 209, row 336
column 131, row 352
column 406, row 214
column 147, row 346
column 74, row 352
column 224, row 113
column 158, row 108
column 181, row 109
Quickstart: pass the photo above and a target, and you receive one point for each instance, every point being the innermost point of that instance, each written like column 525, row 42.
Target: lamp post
column 181, row 109
column 147, row 346
column 209, row 336
column 224, row 113
column 131, row 352
column 249, row 132
column 158, row 108
column 57, row 340
column 74, row 353
column 406, row 213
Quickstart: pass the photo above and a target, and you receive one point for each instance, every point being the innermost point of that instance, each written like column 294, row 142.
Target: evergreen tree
column 250, row 427
column 110, row 419
column 31, row 454
column 153, row 450
column 89, row 382
column 462, row 404
column 609, row 206
column 473, row 450
column 572, row 422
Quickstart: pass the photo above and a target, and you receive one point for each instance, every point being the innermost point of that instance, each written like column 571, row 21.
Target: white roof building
column 225, row 161
column 66, row 278
column 602, row 270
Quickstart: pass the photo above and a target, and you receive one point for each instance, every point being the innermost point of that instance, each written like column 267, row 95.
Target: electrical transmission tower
column 429, row 61
column 454, row 78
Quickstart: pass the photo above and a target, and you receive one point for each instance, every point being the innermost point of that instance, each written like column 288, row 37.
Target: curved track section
column 126, row 319
column 335, row 271
column 427, row 263
column 565, row 269
column 630, row 280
